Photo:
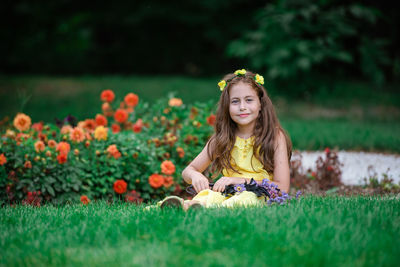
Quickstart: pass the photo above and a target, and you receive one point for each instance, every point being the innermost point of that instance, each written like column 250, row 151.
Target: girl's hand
column 219, row 186
column 200, row 183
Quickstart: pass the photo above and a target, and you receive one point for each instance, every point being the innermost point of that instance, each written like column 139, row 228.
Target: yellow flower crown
column 258, row 78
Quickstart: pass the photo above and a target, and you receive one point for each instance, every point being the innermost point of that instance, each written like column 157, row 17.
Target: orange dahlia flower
column 77, row 135
column 107, row 110
column 101, row 133
column 120, row 186
column 107, row 95
column 175, row 102
column 181, row 152
column 3, row 159
column 66, row 129
column 22, row 122
column 89, row 124
column 131, row 100
column 63, row 148
column 28, row 164
column 39, row 146
column 167, row 167
column 51, row 143
column 121, row 115
column 101, row 120
column 85, row 200
column 168, row 181
column 113, row 151
column 156, row 180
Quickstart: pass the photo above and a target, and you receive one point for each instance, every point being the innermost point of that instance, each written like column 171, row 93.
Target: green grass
column 316, row 134
column 328, row 231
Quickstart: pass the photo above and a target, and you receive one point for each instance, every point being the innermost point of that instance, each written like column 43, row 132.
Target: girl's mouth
column 244, row 115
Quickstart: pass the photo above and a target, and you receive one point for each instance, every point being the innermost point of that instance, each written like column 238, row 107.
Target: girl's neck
column 244, row 132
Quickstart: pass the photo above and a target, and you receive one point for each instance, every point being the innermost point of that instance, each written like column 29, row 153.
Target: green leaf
column 76, row 187
column 50, row 190
column 50, row 180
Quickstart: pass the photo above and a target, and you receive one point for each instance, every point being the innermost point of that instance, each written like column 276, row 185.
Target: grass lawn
column 314, row 231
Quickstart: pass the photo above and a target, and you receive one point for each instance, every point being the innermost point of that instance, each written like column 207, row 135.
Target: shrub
column 72, row 159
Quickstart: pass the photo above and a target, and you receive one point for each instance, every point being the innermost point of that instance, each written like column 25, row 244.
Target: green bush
column 298, row 41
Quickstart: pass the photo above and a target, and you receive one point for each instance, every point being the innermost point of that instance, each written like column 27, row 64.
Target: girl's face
column 244, row 105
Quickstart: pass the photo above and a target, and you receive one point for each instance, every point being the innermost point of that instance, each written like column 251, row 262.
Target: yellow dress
column 242, row 159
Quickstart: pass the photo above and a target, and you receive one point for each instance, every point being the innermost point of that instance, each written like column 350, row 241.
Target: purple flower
column 265, row 182
column 298, row 193
column 240, row 188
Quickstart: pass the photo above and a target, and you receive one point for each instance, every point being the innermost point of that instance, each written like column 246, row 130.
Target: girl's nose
column 242, row 106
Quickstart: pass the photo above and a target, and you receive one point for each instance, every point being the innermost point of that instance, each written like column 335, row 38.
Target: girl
column 248, row 142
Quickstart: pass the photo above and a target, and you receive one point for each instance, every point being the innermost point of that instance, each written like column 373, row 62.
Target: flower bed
column 130, row 150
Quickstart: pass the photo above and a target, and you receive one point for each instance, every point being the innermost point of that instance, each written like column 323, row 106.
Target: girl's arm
column 281, row 165
column 192, row 174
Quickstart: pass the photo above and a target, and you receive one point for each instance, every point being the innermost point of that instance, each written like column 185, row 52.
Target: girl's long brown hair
column 266, row 129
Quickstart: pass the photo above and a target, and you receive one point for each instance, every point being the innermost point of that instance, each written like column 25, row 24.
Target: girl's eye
column 249, row 100
column 235, row 101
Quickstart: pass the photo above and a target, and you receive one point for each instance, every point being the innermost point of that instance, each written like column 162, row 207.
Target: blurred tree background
column 288, row 40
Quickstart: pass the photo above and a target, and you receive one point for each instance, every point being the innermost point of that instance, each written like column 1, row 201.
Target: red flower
column 85, row 200
column 177, row 190
column 167, row 167
column 101, row 120
column 327, row 150
column 133, row 197
column 137, row 127
column 62, row 158
column 211, row 119
column 329, row 168
column 121, row 115
column 107, row 95
column 156, row 180
column 313, row 174
column 32, row 198
column 131, row 100
column 120, row 186
column 115, row 128
column 38, row 127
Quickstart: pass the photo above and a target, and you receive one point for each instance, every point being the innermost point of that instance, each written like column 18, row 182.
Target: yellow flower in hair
column 259, row 79
column 240, row 72
column 222, row 85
